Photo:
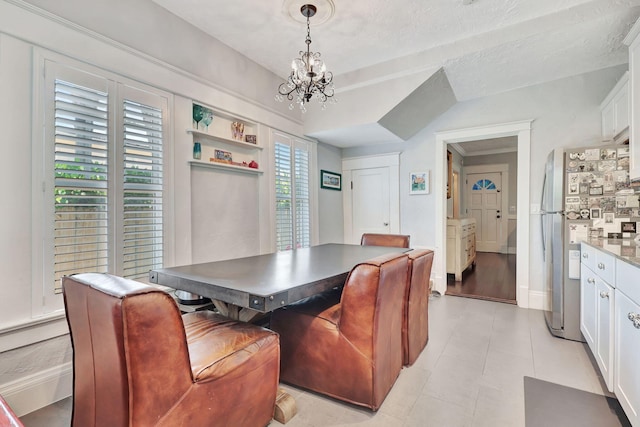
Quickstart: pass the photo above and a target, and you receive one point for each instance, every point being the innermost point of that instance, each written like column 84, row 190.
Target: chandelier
column 309, row 77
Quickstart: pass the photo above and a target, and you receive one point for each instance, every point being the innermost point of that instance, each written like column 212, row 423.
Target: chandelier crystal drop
column 309, row 77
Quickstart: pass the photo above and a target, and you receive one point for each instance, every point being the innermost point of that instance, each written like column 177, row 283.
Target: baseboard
column 512, row 250
column 38, row 390
column 538, row 300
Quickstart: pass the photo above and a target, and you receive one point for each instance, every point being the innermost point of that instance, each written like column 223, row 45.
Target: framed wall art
column 419, row 183
column 330, row 180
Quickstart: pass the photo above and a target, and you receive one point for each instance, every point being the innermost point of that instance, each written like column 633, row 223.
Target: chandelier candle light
column 309, row 76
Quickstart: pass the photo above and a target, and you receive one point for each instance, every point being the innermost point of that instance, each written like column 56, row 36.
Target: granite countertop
column 624, row 249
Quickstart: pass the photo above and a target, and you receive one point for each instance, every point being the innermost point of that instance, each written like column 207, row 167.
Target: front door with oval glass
column 484, row 203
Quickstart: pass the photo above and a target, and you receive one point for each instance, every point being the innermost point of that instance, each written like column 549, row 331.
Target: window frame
column 311, row 147
column 45, row 300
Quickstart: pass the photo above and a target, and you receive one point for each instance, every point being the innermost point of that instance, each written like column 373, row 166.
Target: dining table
column 245, row 288
column 250, row 287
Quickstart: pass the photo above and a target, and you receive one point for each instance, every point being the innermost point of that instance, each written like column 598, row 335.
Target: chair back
column 391, row 240
column 371, row 315
column 126, row 337
column 415, row 329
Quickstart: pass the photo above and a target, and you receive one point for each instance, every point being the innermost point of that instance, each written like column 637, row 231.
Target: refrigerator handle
column 542, row 212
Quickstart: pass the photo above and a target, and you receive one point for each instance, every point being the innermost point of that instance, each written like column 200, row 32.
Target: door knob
column 385, row 224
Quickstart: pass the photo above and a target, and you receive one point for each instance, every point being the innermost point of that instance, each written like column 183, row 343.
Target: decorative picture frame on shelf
column 330, row 180
column 419, row 183
column 223, row 156
column 251, row 139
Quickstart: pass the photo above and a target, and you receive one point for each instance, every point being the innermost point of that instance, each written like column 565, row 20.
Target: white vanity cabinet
column 627, row 340
column 461, row 245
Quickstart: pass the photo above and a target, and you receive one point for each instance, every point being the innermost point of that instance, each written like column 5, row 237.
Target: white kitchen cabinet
column 615, row 111
column 627, row 340
column 604, row 294
column 588, row 310
column 596, row 309
column 627, row 349
column 633, row 41
column 461, row 245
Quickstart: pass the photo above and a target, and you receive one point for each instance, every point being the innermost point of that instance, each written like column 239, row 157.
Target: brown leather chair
column 138, row 362
column 351, row 348
column 7, row 417
column 415, row 325
column 393, row 240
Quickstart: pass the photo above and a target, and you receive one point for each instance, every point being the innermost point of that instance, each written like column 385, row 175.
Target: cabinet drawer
column 588, row 256
column 469, row 242
column 628, row 280
column 606, row 267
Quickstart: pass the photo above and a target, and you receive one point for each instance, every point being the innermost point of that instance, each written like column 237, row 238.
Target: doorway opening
column 488, row 197
column 483, row 135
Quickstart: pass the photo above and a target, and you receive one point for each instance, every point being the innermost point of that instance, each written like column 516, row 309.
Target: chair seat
column 218, row 345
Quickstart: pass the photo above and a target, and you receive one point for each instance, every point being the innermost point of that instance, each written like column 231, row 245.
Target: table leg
column 285, row 403
column 285, row 407
column 235, row 312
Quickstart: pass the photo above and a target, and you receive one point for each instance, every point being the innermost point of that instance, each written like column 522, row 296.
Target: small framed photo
column 627, row 227
column 596, row 191
column 596, row 213
column 419, row 183
column 251, row 139
column 330, row 180
column 223, row 156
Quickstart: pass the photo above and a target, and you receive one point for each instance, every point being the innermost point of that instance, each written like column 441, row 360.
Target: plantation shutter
column 142, row 189
column 303, row 220
column 293, row 195
column 81, row 180
column 284, row 212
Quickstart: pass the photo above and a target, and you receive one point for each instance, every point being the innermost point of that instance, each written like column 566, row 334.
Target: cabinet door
column 634, row 116
column 588, row 314
column 604, row 333
column 621, row 110
column 627, row 354
column 608, row 122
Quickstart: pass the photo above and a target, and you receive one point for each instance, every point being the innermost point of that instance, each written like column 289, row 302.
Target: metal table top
column 266, row 282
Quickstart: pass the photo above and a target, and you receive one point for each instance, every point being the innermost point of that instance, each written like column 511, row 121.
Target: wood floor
column 493, row 278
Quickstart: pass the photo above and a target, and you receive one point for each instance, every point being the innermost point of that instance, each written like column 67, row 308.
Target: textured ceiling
column 485, row 47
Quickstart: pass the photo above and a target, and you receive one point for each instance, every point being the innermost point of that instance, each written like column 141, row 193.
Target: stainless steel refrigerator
column 581, row 192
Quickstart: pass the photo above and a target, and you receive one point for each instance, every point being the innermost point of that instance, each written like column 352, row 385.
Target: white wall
column 565, row 113
column 331, row 220
column 25, row 34
column 147, row 27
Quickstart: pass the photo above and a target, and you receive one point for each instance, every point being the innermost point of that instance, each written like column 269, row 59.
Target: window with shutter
column 107, row 160
column 142, row 189
column 293, row 201
column 81, row 180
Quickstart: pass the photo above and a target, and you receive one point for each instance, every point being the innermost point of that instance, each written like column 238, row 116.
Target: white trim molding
column 522, row 130
column 40, row 389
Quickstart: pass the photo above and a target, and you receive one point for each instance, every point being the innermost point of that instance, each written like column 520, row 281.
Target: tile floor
column 470, row 374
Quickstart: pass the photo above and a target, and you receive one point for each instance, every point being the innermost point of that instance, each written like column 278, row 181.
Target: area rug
column 548, row 404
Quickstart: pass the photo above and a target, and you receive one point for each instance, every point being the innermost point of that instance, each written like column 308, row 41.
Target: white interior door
column 370, row 201
column 484, row 203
